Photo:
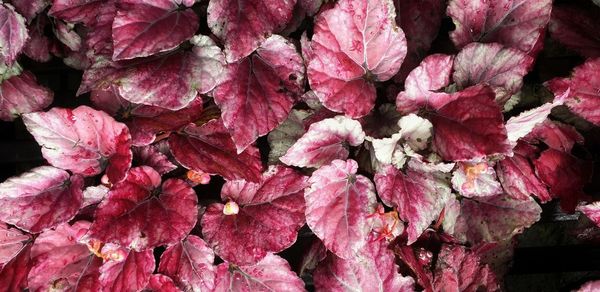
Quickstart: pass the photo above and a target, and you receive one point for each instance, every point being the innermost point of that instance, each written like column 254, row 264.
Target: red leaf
column 516, row 24
column 556, row 135
column 38, row 46
column 324, row 142
column 338, row 204
column 151, row 156
column 143, row 28
column 583, row 98
column 14, row 273
column 460, row 270
column 518, row 179
column 270, row 274
column 419, row 195
column 258, row 218
column 564, row 174
column 76, row 10
column 137, row 215
column 354, row 43
column 41, row 198
column 21, row 94
column 245, row 25
column 419, row 88
column 12, row 241
column 260, row 90
column 420, row 21
column 576, row 28
column 494, row 65
column 209, row 148
column 161, row 283
column 132, row 273
column 13, row 34
column 190, row 264
column 29, row 8
column 82, row 140
column 61, row 260
column 470, row 126
column 373, row 269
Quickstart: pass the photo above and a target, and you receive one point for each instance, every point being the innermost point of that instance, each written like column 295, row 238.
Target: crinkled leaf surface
column 130, row 273
column 190, row 264
column 270, row 274
column 354, row 43
column 458, row 269
column 13, row 34
column 576, row 28
column 492, row 64
column 138, row 215
column 21, row 94
column 143, row 28
column 324, row 142
column 82, row 140
column 516, row 174
column 245, row 25
column 259, row 91
column 513, row 23
column 41, row 198
column 60, row 259
column 270, row 214
column 338, row 203
column 373, row 269
column 470, row 126
column 418, row 195
column 432, row 74
column 209, row 148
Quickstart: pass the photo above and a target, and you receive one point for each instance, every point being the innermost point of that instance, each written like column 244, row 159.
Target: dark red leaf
column 130, row 273
column 576, row 28
column 519, row 180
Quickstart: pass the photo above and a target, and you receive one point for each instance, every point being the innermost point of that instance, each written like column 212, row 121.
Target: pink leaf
column 100, row 41
column 14, row 273
column 38, row 46
column 519, row 180
column 592, row 211
column 338, row 204
column 564, row 174
column 173, row 82
column 492, row 64
column 583, row 98
column 41, row 198
column 260, row 90
column 94, row 194
column 13, row 34
column 516, row 24
column 67, row 35
column 374, row 269
column 418, row 195
column 470, row 126
column 590, row 286
column 82, row 140
column 150, row 156
column 21, row 94
column 520, row 126
column 190, row 264
column 29, row 8
column 476, row 180
column 266, row 216
column 419, row 88
column 138, row 215
column 60, row 260
column 324, row 142
column 420, row 21
column 576, row 28
column 76, row 10
column 355, row 43
column 161, row 283
column 143, row 28
column 270, row 274
column 209, row 149
column 458, row 269
column 12, row 241
column 245, row 25
column 556, row 135
column 132, row 273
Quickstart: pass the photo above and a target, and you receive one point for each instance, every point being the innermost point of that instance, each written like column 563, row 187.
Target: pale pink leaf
column 270, row 274
column 245, row 25
column 373, row 269
column 190, row 264
column 520, row 126
column 324, row 142
column 515, row 24
column 592, row 211
column 354, row 44
column 518, row 179
column 94, row 194
column 82, row 140
column 260, row 90
column 21, row 94
column 590, row 286
column 13, row 34
column 143, row 28
column 476, row 180
column 41, row 198
column 268, row 217
column 133, row 216
column 338, row 203
column 12, row 241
